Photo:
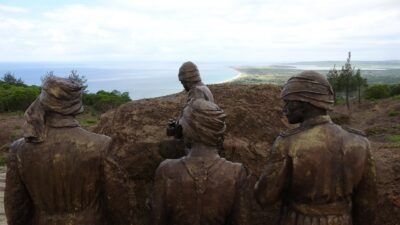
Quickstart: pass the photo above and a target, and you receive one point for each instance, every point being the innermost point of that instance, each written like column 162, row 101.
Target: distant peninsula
column 375, row 71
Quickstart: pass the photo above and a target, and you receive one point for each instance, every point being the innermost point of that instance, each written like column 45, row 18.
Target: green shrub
column 393, row 112
column 377, row 91
column 394, row 138
column 2, row 160
column 103, row 100
column 394, row 89
column 375, row 130
column 17, row 97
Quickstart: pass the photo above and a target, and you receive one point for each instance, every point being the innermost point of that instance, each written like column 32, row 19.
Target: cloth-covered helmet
column 311, row 87
column 189, row 72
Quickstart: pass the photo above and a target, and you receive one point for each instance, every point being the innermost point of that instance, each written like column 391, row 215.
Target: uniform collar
column 316, row 121
column 59, row 121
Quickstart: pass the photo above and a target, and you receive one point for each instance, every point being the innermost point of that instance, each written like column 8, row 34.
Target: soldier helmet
column 189, row 72
column 58, row 95
column 311, row 87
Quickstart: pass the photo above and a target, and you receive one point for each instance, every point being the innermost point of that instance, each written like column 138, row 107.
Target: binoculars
column 174, row 129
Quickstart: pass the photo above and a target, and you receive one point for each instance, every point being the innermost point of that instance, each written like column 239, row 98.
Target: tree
column 9, row 78
column 334, row 80
column 360, row 83
column 347, row 76
column 81, row 80
column 46, row 76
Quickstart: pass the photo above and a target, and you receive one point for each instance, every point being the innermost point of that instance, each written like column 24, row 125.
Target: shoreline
column 231, row 79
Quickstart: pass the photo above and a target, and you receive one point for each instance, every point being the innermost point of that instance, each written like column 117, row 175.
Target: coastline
column 239, row 75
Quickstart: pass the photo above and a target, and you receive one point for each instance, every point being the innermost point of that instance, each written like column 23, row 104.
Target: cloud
column 205, row 30
column 12, row 9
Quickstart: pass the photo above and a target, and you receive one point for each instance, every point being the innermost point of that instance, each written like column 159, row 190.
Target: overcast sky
column 201, row 30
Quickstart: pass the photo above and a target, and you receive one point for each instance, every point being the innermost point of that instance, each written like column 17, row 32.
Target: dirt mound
column 254, row 120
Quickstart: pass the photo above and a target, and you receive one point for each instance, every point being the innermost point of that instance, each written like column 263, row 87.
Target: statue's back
column 62, row 175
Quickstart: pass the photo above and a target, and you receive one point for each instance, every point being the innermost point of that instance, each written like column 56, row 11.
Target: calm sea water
column 141, row 80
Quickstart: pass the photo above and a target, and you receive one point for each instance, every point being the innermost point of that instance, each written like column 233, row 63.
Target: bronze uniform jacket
column 325, row 175
column 184, row 195
column 67, row 179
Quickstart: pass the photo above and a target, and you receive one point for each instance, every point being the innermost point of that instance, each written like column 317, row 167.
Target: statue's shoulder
column 353, row 130
column 200, row 91
column 233, row 166
column 17, row 145
column 291, row 132
column 169, row 166
column 91, row 136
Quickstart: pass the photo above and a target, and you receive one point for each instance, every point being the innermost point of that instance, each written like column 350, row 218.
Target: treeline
column 15, row 95
column 348, row 83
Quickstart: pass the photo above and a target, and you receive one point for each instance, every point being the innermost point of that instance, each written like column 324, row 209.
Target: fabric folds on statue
column 311, row 87
column 189, row 72
column 58, row 95
column 204, row 121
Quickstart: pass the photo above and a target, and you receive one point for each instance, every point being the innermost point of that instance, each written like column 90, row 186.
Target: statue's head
column 203, row 122
column 305, row 92
column 58, row 96
column 189, row 75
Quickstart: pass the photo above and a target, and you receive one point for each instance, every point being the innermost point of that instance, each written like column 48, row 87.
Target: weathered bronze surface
column 202, row 187
column 322, row 173
column 189, row 76
column 59, row 173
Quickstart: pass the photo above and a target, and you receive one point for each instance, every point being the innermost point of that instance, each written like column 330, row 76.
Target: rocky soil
column 254, row 120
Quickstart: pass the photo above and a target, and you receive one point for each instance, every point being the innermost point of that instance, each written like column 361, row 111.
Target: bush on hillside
column 17, row 97
column 394, row 89
column 378, row 91
column 103, row 100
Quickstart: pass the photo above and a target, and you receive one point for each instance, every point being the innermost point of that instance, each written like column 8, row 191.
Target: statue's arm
column 118, row 193
column 365, row 195
column 17, row 202
column 158, row 205
column 270, row 185
column 241, row 213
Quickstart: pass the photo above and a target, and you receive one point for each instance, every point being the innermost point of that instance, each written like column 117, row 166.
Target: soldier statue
column 201, row 188
column 59, row 173
column 322, row 173
column 189, row 76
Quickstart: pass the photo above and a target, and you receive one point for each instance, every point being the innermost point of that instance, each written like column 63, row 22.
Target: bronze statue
column 189, row 76
column 322, row 173
column 202, row 187
column 59, row 173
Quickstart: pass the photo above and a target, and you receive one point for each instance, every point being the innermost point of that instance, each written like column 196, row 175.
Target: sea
column 140, row 79
column 154, row 79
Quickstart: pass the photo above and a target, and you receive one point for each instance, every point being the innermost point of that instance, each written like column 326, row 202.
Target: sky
column 201, row 30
